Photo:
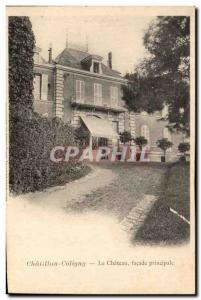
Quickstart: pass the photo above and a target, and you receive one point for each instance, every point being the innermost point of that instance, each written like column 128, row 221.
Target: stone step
column 135, row 218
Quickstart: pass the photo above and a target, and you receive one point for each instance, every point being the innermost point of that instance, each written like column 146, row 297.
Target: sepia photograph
column 101, row 150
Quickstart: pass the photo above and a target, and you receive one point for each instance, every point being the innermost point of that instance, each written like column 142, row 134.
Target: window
column 98, row 93
column 164, row 111
column 99, row 142
column 96, row 67
column 146, row 133
column 80, row 90
column 102, row 142
column 49, row 92
column 167, row 134
column 37, row 86
column 44, row 87
column 114, row 95
column 115, row 125
column 40, row 90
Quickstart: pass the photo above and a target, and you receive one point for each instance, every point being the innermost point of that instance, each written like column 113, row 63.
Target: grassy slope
column 161, row 225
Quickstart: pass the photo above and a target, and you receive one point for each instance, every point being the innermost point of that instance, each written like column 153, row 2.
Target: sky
column 120, row 34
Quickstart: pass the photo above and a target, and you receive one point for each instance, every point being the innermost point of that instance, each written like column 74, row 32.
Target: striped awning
column 100, row 127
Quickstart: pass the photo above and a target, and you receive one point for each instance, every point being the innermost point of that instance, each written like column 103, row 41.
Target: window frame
column 147, row 130
column 167, row 136
column 114, row 96
column 98, row 93
column 116, row 126
column 40, row 86
column 80, row 90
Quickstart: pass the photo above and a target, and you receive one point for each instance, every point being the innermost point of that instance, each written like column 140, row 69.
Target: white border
column 4, row 3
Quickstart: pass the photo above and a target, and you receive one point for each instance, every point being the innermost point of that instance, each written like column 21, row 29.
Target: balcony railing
column 104, row 105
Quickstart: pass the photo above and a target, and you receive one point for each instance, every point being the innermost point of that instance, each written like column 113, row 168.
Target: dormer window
column 92, row 63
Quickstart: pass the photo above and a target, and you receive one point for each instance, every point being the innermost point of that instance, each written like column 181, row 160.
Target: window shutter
column 166, row 134
column 44, row 87
column 82, row 90
column 114, row 95
column 37, row 87
column 95, row 92
column 145, row 132
column 77, row 90
column 98, row 93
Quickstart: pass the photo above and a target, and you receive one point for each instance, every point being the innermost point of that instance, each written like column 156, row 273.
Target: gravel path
column 73, row 192
column 127, row 189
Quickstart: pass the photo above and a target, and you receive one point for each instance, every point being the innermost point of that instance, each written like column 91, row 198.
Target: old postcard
column 101, row 150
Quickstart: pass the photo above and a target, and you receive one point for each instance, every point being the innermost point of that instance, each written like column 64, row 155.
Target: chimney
column 110, row 60
column 50, row 55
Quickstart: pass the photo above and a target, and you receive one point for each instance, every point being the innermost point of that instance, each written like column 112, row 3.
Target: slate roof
column 72, row 58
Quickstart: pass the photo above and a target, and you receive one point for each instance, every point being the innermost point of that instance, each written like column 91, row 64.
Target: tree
column 164, row 144
column 21, row 46
column 32, row 137
column 140, row 141
column 125, row 137
column 21, row 50
column 163, row 77
column 183, row 148
column 82, row 135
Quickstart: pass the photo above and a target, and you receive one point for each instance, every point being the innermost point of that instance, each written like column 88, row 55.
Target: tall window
column 167, row 134
column 114, row 95
column 96, row 67
column 98, row 93
column 37, row 86
column 115, row 125
column 80, row 90
column 165, row 111
column 40, row 87
column 146, row 133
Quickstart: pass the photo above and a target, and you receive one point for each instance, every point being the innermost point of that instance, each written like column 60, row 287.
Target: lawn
column 161, row 225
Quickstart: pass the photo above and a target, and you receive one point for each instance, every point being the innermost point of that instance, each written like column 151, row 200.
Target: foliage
column 141, row 94
column 82, row 135
column 161, row 226
column 31, row 137
column 164, row 144
column 21, row 44
column 125, row 137
column 163, row 77
column 32, row 168
column 184, row 147
column 140, row 141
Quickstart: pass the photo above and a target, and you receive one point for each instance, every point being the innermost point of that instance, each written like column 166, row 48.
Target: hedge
column 32, row 137
column 31, row 167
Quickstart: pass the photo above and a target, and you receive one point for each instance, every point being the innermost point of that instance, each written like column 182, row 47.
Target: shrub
column 140, row 141
column 32, row 167
column 82, row 135
column 125, row 137
column 183, row 148
column 164, row 144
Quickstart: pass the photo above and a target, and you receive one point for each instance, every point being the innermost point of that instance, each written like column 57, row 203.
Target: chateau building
column 83, row 91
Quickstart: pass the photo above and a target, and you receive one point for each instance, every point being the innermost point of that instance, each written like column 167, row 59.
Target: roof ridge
column 78, row 50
